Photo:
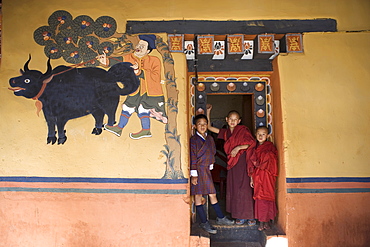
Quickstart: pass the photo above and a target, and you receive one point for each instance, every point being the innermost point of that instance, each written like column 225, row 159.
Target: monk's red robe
column 239, row 194
column 264, row 178
column 240, row 136
column 265, row 171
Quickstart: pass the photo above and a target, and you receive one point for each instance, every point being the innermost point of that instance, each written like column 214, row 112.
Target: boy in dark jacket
column 202, row 157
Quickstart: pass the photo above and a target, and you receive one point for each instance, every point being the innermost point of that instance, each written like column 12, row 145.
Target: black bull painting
column 64, row 93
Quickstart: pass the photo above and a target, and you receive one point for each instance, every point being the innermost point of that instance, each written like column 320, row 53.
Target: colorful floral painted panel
column 219, row 48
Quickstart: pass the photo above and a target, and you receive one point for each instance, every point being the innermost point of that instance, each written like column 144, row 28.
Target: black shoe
column 224, row 221
column 208, row 228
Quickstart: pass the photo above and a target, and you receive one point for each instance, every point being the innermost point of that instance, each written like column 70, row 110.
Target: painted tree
column 173, row 146
column 79, row 40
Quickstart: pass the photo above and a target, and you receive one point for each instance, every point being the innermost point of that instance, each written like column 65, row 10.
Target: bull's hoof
column 62, row 140
column 51, row 140
column 97, row 131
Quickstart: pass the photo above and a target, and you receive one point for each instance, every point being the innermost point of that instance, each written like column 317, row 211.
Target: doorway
column 248, row 96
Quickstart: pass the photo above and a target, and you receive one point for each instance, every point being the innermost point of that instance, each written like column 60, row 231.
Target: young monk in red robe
column 239, row 146
column 264, row 179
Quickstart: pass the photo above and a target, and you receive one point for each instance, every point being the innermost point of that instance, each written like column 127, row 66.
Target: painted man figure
column 148, row 100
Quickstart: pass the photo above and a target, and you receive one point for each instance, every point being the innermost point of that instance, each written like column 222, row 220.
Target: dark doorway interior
column 222, row 104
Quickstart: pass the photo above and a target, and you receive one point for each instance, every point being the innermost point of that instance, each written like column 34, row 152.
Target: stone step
column 235, row 244
column 232, row 236
column 242, row 233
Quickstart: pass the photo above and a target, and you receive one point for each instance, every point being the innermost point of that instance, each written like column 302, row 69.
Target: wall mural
column 68, row 92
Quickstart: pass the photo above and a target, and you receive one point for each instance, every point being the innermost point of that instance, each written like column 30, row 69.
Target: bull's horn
column 49, row 68
column 25, row 68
